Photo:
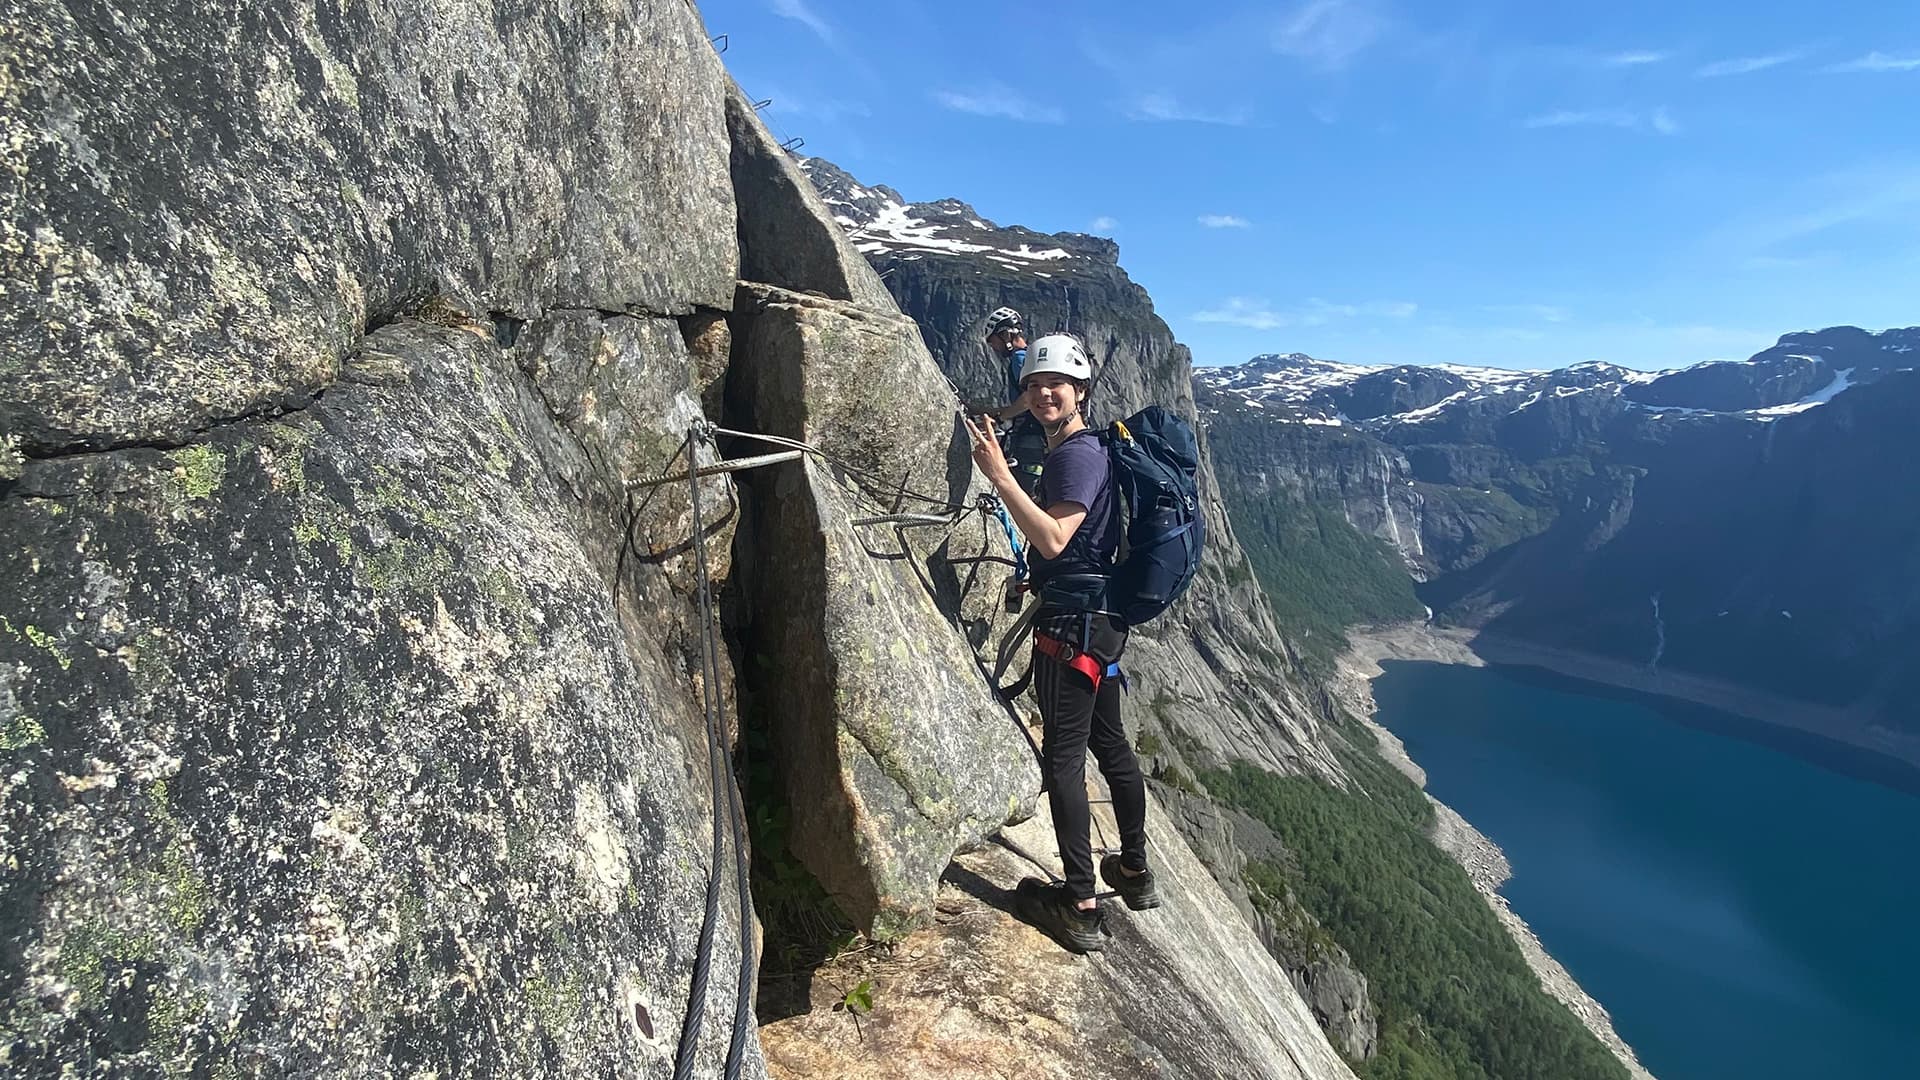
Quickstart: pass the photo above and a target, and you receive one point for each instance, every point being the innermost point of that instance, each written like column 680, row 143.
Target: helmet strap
column 1054, row 431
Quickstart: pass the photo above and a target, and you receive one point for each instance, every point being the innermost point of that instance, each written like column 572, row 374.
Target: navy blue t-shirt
column 1016, row 360
column 1078, row 471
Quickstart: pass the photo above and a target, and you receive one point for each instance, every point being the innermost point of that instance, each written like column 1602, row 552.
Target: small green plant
column 857, row 1003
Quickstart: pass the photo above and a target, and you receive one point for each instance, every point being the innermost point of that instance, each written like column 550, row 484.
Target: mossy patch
column 172, row 1014
column 508, row 598
column 95, row 958
column 198, row 470
column 556, row 1003
column 45, row 641
column 391, row 493
column 174, row 882
column 22, row 732
column 406, row 566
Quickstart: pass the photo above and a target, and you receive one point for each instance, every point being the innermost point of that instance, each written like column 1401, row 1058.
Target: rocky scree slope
column 350, row 713
column 1745, row 520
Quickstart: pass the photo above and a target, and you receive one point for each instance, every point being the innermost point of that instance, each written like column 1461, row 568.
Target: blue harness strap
column 1013, row 541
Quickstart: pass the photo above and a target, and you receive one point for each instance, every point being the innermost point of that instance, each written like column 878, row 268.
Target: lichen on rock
column 311, row 797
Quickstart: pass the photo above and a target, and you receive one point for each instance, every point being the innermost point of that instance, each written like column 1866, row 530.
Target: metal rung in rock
column 728, row 466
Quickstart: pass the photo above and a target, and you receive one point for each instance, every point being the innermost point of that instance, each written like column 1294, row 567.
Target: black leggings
column 1076, row 718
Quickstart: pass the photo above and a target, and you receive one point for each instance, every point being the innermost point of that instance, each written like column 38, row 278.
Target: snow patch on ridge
column 1841, row 381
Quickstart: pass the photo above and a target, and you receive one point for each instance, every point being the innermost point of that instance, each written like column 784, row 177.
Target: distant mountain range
column 1802, row 372
column 1756, row 521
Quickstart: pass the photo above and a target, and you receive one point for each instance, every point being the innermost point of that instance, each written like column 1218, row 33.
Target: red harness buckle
column 1084, row 663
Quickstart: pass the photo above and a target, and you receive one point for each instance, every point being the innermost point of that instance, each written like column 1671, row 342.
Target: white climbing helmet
column 1003, row 319
column 1060, row 353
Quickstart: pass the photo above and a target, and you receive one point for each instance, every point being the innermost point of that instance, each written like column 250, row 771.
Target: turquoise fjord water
column 1742, row 912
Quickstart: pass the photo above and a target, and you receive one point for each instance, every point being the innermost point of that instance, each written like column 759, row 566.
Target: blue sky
column 1519, row 184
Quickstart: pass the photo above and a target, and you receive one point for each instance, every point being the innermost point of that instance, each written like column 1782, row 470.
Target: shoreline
column 1818, row 733
column 1486, row 865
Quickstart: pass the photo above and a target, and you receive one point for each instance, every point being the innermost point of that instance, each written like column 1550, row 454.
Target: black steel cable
column 733, row 814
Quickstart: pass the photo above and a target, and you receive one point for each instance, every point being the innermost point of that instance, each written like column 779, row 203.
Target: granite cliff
column 351, row 661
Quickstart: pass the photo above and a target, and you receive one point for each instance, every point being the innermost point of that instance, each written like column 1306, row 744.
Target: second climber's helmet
column 1003, row 319
column 1060, row 353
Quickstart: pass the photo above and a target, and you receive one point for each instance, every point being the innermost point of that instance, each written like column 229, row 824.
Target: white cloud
column 1659, row 120
column 998, row 99
column 1259, row 314
column 1619, row 118
column 1224, row 221
column 1544, row 312
column 1881, row 197
column 1328, row 33
column 1103, row 224
column 1879, row 61
column 1164, row 107
column 1390, row 309
column 1240, row 311
column 799, row 12
column 1744, row 65
column 1783, row 262
column 1636, row 58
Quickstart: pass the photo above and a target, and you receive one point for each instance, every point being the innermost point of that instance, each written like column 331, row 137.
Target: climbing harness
column 734, row 814
column 1071, row 655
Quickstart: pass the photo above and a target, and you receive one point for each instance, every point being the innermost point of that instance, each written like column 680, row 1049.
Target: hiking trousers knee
column 1075, row 718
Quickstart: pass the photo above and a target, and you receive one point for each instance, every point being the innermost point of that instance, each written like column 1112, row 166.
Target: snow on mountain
column 1308, row 390
column 1801, row 372
column 880, row 221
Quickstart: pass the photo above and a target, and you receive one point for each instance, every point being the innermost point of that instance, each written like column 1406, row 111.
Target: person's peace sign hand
column 986, row 450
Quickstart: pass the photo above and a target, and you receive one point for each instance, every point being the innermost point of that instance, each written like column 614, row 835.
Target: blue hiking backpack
column 1154, row 458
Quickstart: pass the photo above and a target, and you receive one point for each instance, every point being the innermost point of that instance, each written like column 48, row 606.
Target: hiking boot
column 1137, row 890
column 1050, row 909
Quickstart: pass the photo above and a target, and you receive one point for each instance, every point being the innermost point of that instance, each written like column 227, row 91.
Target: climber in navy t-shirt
column 1073, row 533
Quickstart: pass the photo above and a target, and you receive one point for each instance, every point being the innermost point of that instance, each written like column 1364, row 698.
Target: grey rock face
column 329, row 751
column 210, row 211
column 789, row 239
column 894, row 751
column 346, row 698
